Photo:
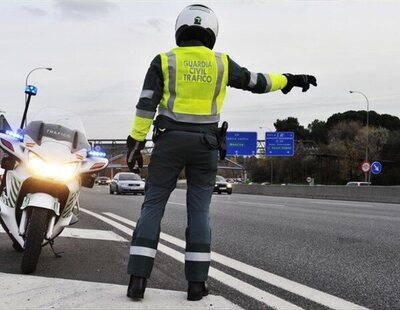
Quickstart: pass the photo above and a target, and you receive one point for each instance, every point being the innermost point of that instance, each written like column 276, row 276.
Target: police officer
column 187, row 85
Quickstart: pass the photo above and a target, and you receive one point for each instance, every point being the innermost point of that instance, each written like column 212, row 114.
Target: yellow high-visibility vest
column 195, row 80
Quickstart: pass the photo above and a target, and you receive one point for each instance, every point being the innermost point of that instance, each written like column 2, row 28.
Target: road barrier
column 387, row 194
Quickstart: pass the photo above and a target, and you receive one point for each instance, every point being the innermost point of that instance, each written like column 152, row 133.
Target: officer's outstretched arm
column 259, row 83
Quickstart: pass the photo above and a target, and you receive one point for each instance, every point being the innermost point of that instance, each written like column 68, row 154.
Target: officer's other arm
column 259, row 83
column 145, row 111
column 149, row 99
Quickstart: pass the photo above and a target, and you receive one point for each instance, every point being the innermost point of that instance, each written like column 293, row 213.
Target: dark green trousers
column 174, row 151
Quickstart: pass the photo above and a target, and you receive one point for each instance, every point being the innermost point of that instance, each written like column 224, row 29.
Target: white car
column 127, row 182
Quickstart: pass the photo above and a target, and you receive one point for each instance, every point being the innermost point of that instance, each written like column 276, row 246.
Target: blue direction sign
column 279, row 143
column 376, row 167
column 241, row 143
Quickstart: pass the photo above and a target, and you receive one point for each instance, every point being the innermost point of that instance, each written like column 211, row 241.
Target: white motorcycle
column 45, row 165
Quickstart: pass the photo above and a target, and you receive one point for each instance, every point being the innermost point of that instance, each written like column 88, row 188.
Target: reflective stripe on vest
column 195, row 80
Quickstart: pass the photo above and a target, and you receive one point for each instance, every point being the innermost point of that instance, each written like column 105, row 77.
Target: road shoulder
column 33, row 292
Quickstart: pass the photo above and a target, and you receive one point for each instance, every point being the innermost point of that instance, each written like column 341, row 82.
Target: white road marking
column 343, row 203
column 235, row 283
column 265, row 204
column 92, row 234
column 88, row 234
column 315, row 295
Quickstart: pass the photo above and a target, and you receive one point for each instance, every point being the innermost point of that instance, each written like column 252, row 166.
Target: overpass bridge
column 116, row 154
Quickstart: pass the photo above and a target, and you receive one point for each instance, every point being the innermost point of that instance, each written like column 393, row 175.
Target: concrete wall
column 388, row 194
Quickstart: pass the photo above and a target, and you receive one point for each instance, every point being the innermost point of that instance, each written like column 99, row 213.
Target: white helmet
column 197, row 22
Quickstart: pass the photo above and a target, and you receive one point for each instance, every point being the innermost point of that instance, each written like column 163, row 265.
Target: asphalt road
column 267, row 251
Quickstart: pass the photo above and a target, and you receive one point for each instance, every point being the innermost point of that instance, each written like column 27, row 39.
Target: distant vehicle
column 221, row 185
column 356, row 183
column 127, row 182
column 103, row 180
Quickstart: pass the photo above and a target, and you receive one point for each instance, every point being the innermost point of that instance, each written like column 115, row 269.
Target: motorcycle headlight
column 55, row 171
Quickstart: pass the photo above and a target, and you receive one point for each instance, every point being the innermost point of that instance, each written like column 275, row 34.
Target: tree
column 346, row 140
column 377, row 138
column 375, row 120
column 292, row 124
column 318, row 131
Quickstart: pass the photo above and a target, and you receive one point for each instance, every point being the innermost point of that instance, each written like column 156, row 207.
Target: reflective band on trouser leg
column 197, row 262
column 141, row 258
column 141, row 250
column 220, row 65
column 198, row 256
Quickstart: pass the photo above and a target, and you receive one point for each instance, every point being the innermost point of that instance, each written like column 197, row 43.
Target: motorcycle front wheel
column 34, row 236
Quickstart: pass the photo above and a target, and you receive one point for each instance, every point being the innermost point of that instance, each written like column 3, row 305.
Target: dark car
column 222, row 186
column 103, row 180
column 127, row 182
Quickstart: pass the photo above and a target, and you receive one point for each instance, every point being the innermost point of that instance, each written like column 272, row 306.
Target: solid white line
column 265, row 204
column 315, row 295
column 92, row 234
column 228, row 280
column 241, row 286
column 122, row 228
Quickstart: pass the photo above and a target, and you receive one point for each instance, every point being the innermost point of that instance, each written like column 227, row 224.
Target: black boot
column 136, row 287
column 196, row 290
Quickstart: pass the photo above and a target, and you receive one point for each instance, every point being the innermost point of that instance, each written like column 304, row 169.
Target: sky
column 100, row 52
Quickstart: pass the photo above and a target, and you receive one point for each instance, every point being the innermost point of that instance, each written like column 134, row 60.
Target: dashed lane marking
column 92, row 234
column 315, row 295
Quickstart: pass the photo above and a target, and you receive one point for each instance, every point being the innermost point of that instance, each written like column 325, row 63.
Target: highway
column 268, row 252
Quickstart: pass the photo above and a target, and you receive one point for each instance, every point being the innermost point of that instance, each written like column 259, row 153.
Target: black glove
column 134, row 155
column 299, row 80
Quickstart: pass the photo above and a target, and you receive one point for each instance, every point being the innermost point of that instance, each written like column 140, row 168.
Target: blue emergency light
column 15, row 135
column 97, row 154
column 31, row 90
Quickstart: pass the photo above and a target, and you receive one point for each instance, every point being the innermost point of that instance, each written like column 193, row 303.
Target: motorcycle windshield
column 58, row 125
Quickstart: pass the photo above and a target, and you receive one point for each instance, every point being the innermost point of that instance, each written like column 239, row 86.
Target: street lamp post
column 28, row 96
column 366, row 148
column 38, row 68
column 272, row 165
